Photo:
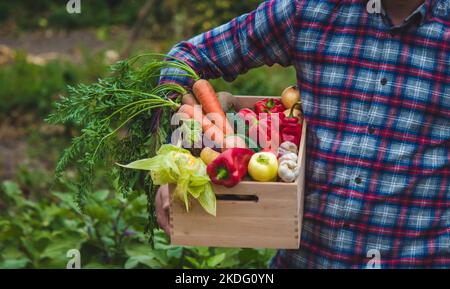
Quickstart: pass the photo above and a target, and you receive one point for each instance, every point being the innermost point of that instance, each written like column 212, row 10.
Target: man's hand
column 162, row 208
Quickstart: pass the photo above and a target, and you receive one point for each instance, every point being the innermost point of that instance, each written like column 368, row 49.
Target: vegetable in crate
column 288, row 171
column 250, row 143
column 230, row 167
column 174, row 165
column 291, row 128
column 248, row 116
column 243, row 120
column 263, row 167
column 207, row 97
column 288, row 157
column 235, row 141
column 208, row 155
column 262, row 131
column 287, row 147
column 211, row 131
column 190, row 134
column 290, row 96
column 227, row 101
column 269, row 105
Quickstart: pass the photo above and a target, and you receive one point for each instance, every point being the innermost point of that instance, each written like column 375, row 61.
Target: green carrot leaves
column 122, row 117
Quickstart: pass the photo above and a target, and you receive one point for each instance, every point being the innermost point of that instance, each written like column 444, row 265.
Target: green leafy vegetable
column 174, row 165
column 191, row 131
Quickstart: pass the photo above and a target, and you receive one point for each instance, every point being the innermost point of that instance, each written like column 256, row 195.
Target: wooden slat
column 301, row 180
column 241, row 228
column 269, row 191
column 262, row 209
column 231, row 242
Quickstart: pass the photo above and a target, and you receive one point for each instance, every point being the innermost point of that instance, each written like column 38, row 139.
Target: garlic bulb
column 288, row 171
column 287, row 147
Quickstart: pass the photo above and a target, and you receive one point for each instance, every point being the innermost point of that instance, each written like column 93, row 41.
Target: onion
column 290, row 96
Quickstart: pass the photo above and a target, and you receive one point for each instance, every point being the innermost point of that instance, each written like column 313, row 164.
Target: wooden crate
column 249, row 215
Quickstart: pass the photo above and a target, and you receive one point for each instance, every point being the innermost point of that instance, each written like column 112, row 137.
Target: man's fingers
column 162, row 209
column 165, row 198
column 163, row 221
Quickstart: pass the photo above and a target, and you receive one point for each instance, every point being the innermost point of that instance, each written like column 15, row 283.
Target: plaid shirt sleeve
column 261, row 37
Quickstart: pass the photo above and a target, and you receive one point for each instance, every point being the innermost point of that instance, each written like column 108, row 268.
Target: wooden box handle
column 237, row 198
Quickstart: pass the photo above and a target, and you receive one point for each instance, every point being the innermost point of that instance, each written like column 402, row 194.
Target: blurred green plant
column 268, row 81
column 39, row 225
column 32, row 87
column 31, row 15
column 38, row 234
column 182, row 17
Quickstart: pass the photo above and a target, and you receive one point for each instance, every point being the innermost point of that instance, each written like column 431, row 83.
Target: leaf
column 194, row 262
column 175, row 252
column 164, row 176
column 181, row 192
column 101, row 195
column 137, row 249
column 134, row 261
column 96, row 265
column 11, row 189
column 97, row 212
column 191, row 132
column 213, row 261
column 145, row 164
column 66, row 199
column 14, row 264
column 208, row 200
column 166, row 148
column 55, row 254
column 196, row 191
column 198, row 180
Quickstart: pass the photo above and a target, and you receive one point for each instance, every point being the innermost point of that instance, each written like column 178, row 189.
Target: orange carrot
column 207, row 97
column 210, row 129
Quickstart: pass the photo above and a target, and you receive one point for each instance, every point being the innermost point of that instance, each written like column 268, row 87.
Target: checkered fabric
column 377, row 103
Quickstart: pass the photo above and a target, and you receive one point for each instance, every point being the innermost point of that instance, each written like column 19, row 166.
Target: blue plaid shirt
column 377, row 102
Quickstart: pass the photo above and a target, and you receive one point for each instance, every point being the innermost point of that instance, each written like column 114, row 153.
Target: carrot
column 210, row 129
column 207, row 97
column 189, row 99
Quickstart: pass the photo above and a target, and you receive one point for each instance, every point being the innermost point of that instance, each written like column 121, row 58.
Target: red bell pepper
column 262, row 131
column 229, row 167
column 248, row 115
column 291, row 128
column 269, row 105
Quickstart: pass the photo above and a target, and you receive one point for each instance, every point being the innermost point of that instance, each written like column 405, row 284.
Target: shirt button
column 371, row 130
column 358, row 180
column 384, row 81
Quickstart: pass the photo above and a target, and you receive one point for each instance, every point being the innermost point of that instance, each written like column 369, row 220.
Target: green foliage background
column 187, row 16
column 38, row 220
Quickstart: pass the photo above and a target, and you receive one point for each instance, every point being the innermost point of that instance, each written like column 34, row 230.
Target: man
column 376, row 96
